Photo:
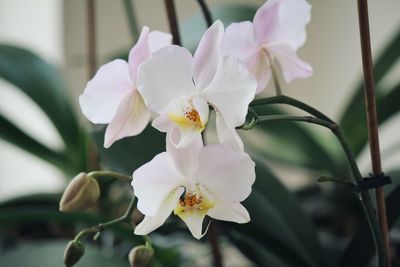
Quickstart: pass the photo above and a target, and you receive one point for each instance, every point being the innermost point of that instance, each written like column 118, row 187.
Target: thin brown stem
column 173, row 21
column 212, row 236
column 91, row 41
column 206, row 12
column 372, row 119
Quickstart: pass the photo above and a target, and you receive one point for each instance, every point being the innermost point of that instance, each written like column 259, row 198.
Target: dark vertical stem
column 91, row 41
column 206, row 12
column 173, row 21
column 130, row 14
column 372, row 120
column 212, row 236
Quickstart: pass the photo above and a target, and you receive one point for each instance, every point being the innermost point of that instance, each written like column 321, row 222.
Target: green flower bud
column 141, row 256
column 81, row 193
column 73, row 252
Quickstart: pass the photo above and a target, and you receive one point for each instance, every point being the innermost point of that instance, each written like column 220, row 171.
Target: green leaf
column 193, row 28
column 353, row 119
column 43, row 85
column 17, row 137
column 51, row 254
column 128, row 154
column 278, row 224
column 255, row 251
column 361, row 250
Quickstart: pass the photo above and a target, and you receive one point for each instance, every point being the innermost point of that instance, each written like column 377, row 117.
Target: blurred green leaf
column 353, row 118
column 128, row 154
column 361, row 249
column 51, row 254
column 256, row 251
column 278, row 225
column 43, row 84
column 17, row 137
column 193, row 28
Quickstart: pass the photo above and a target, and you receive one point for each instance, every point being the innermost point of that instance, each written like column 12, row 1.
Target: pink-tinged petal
column 186, row 159
column 229, row 175
column 208, row 55
column 232, row 212
column 162, row 123
column 154, row 181
column 292, row 66
column 258, row 64
column 294, row 16
column 139, row 53
column 130, row 119
column 231, row 91
column 266, row 22
column 227, row 134
column 103, row 94
column 238, row 40
column 150, row 223
column 165, row 77
column 158, row 40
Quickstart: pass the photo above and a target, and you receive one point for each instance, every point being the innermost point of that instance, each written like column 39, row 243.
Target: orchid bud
column 73, row 252
column 141, row 256
column 81, row 193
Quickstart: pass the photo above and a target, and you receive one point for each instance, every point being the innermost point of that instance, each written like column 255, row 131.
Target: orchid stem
column 276, row 81
column 130, row 14
column 322, row 120
column 372, row 122
column 96, row 229
column 91, row 41
column 206, row 12
column 119, row 176
column 173, row 21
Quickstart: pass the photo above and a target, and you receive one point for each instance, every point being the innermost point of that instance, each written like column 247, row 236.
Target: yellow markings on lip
column 190, row 118
column 193, row 202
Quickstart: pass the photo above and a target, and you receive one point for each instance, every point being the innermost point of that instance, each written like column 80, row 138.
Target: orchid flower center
column 186, row 115
column 193, row 201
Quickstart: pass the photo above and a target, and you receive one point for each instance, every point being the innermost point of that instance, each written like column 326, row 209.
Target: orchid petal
column 207, row 56
column 227, row 134
column 150, row 223
column 186, row 160
column 238, row 40
column 104, row 93
column 294, row 16
column 227, row 174
column 258, row 64
column 194, row 221
column 162, row 123
column 158, row 40
column 153, row 181
column 231, row 91
column 130, row 119
column 139, row 53
column 292, row 66
column 165, row 77
column 233, row 212
column 266, row 22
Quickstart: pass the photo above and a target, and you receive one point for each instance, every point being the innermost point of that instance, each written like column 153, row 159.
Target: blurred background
column 56, row 31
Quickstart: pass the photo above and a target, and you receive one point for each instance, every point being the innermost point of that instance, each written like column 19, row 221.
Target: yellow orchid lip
column 193, row 202
column 189, row 119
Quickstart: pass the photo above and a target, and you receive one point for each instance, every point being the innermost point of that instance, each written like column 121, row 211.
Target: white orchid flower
column 277, row 31
column 180, row 87
column 112, row 98
column 193, row 182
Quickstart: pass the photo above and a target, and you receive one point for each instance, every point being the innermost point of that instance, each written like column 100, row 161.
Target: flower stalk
column 116, row 175
column 173, row 21
column 322, row 120
column 372, row 122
